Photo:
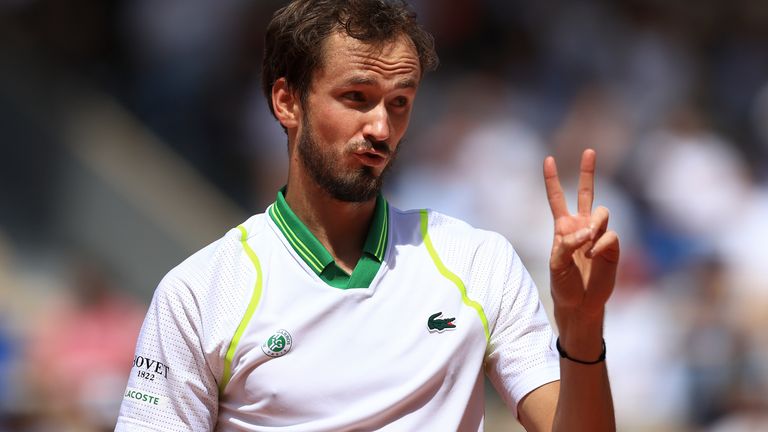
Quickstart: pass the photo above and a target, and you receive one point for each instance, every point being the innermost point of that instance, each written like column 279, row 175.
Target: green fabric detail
column 376, row 241
column 252, row 304
column 450, row 275
column 299, row 243
column 317, row 257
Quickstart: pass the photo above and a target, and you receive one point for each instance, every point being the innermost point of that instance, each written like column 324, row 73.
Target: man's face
column 356, row 114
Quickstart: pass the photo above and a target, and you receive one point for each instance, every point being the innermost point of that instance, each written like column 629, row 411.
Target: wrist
column 564, row 354
column 581, row 334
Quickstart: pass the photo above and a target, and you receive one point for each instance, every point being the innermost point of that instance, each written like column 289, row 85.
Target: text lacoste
column 144, row 397
column 149, row 368
column 439, row 324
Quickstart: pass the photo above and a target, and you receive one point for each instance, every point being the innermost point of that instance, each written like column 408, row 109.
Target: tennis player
column 334, row 311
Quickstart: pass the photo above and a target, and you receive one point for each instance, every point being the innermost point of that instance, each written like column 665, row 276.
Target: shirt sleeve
column 521, row 355
column 171, row 386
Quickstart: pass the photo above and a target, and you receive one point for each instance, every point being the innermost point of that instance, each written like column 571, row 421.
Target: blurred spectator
column 714, row 349
column 657, row 69
column 760, row 127
column 692, row 179
column 7, row 353
column 9, row 339
column 643, row 329
column 598, row 118
column 756, row 420
column 81, row 351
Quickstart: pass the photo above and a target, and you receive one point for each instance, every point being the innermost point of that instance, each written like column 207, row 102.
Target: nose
column 377, row 127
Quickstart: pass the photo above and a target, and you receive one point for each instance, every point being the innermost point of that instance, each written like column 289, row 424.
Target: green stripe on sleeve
column 450, row 275
column 252, row 304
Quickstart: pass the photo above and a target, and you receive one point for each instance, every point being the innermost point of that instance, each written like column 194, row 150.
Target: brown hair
column 295, row 36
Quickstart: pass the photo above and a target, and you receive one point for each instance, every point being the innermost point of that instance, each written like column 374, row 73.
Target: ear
column 286, row 104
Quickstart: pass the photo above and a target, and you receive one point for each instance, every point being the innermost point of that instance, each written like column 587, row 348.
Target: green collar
column 317, row 257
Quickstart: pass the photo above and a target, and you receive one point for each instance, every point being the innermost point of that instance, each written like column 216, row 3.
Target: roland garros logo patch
column 278, row 344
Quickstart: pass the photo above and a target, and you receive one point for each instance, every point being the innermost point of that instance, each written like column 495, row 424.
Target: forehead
column 345, row 56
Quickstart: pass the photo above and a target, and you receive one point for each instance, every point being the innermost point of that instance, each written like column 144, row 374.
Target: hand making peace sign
column 585, row 253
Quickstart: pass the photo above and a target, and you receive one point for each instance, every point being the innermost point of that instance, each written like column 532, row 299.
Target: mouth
column 372, row 158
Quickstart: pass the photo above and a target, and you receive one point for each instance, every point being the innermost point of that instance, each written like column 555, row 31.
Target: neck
column 340, row 226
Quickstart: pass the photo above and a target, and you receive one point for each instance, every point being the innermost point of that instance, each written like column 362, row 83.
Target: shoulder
column 484, row 260
column 219, row 265
column 447, row 233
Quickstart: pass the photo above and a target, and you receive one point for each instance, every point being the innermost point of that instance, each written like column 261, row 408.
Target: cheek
column 335, row 127
column 400, row 125
column 403, row 122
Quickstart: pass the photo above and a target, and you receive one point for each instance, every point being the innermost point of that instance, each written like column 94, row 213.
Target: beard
column 327, row 169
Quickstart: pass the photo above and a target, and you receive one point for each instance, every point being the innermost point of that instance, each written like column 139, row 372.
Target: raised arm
column 583, row 262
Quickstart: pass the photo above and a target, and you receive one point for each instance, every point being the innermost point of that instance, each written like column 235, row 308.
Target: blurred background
column 132, row 133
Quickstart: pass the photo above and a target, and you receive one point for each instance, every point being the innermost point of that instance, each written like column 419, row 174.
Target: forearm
column 585, row 402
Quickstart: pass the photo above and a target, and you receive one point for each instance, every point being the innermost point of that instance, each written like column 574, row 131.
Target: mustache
column 366, row 145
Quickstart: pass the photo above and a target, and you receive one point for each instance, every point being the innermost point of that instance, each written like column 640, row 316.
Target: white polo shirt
column 259, row 332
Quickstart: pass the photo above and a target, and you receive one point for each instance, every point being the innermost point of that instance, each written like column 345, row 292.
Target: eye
column 400, row 101
column 354, row 96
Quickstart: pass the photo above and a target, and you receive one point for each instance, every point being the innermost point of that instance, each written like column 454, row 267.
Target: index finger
column 586, row 182
column 555, row 194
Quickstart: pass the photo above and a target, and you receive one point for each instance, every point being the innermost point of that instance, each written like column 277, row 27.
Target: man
column 334, row 311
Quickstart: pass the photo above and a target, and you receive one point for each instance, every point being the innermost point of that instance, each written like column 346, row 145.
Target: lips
column 371, row 158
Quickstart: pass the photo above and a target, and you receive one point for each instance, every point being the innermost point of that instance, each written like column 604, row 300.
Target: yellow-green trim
column 252, row 304
column 424, row 216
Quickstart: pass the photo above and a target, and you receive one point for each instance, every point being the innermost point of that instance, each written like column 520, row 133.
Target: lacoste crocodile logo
column 439, row 324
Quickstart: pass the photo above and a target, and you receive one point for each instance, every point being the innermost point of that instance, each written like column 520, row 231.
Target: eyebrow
column 362, row 80
column 406, row 83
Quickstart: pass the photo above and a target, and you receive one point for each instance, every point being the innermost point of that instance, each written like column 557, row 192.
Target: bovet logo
column 149, row 365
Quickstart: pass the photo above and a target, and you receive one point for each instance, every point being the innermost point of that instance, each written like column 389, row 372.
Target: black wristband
column 565, row 355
